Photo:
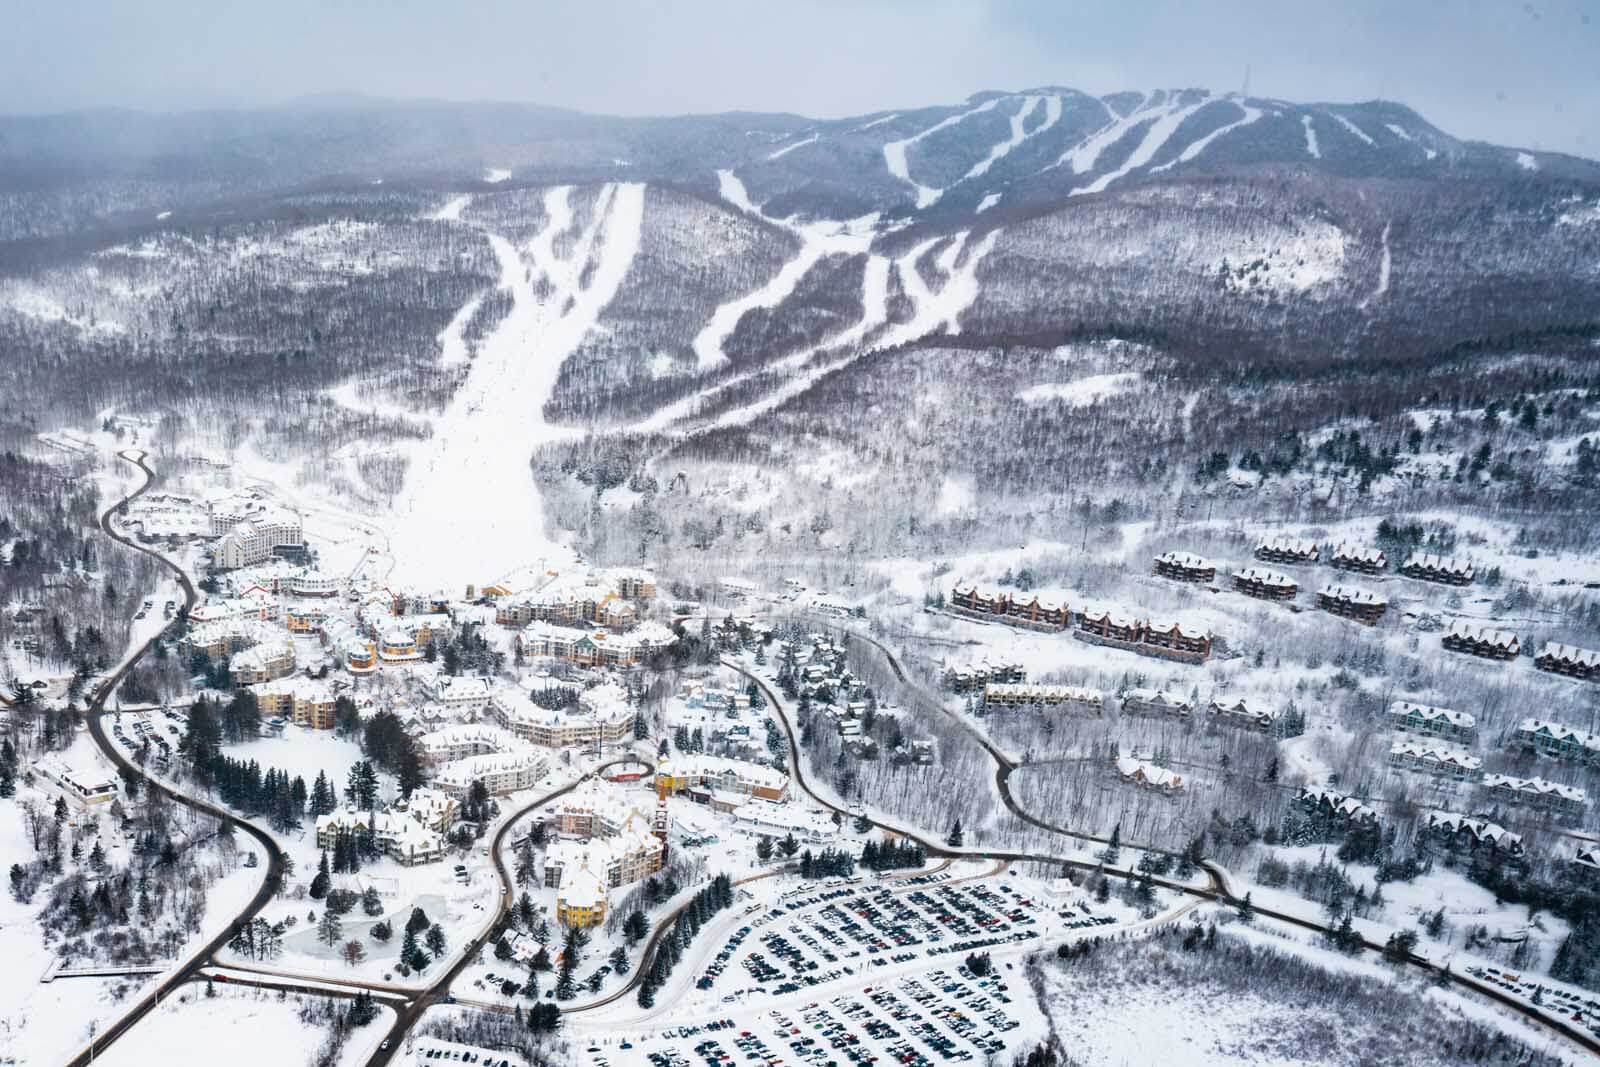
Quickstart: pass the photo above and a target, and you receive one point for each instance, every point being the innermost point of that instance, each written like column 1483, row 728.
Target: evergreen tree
column 323, row 799
column 322, row 882
column 954, row 838
column 764, row 848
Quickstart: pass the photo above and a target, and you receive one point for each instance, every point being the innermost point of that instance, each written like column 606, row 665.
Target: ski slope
column 1353, row 128
column 1193, row 151
column 817, row 239
column 471, row 484
column 1312, row 148
column 935, row 311
column 894, row 152
column 1167, row 120
column 452, row 209
column 786, row 149
column 1018, row 124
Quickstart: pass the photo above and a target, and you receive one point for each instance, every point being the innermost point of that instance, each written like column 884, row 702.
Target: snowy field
column 1260, row 999
column 305, row 752
column 46, row 1023
column 247, row 1027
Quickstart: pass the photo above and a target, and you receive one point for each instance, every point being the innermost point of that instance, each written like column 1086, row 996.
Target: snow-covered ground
column 1083, row 391
column 471, row 485
column 247, row 1027
column 47, row 1023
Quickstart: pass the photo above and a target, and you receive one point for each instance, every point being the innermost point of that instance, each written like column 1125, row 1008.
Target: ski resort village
column 1046, row 579
column 636, row 817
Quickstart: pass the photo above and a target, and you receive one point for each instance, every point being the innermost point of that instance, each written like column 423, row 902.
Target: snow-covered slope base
column 472, row 511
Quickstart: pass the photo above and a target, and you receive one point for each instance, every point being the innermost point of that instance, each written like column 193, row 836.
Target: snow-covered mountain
column 340, row 241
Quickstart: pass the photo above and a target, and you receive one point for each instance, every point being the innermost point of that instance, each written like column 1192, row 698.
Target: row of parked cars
column 1581, row 1009
column 145, row 732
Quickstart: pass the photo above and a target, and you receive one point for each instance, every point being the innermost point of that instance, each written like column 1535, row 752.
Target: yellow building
column 581, row 901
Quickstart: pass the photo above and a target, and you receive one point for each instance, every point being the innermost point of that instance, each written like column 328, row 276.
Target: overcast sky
column 1513, row 73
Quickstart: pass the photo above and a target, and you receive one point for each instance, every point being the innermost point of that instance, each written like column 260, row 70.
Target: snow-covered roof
column 1582, row 657
column 1431, row 561
column 1148, row 773
column 1535, row 787
column 1349, row 594
column 1434, row 752
column 1295, row 546
column 1463, row 630
column 1186, row 560
column 1347, row 551
column 1266, row 577
column 1158, row 697
column 1405, row 709
column 1032, row 692
column 1481, row 829
column 1558, row 731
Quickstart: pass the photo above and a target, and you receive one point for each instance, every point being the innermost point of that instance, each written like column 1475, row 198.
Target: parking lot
column 946, row 1015
column 159, row 729
column 846, row 929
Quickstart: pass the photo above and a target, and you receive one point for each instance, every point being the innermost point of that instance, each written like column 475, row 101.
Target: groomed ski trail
column 470, row 484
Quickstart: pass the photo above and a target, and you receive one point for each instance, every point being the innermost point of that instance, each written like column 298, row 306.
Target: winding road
column 190, row 969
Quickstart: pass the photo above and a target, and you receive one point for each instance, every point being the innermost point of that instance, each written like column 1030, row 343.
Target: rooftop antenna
column 1246, row 90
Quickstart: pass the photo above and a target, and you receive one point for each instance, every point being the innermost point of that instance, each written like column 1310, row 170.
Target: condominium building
column 451, row 743
column 1436, row 758
column 602, row 716
column 264, row 662
column 408, row 836
column 717, row 774
column 1264, row 584
column 466, row 695
column 1431, row 567
column 1185, row 567
column 1353, row 557
column 1557, row 740
column 257, row 538
column 1243, row 712
column 619, row 859
column 1352, row 603
column 1156, row 702
column 1537, row 794
column 500, row 772
column 303, row 701
column 606, row 598
column 224, row 637
column 594, row 648
column 1002, row 695
column 1570, row 660
column 1287, row 550
column 1485, row 641
column 1427, row 721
